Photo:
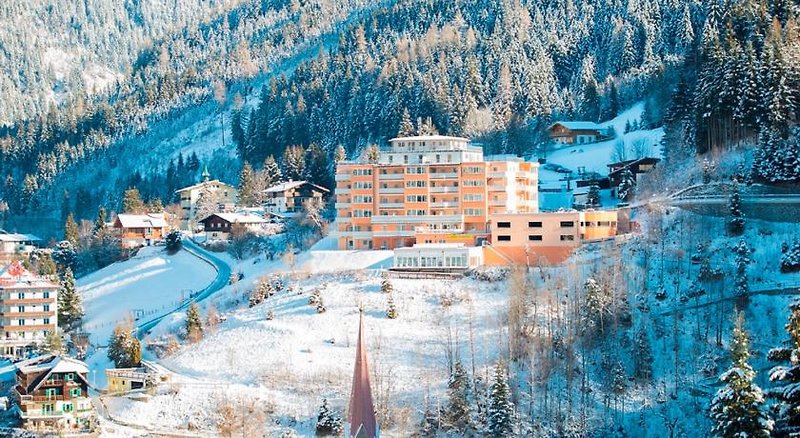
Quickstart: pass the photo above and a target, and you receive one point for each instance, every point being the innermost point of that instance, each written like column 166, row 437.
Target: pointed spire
column 361, row 414
column 206, row 175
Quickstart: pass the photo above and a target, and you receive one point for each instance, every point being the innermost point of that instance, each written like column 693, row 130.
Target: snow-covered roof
column 5, row 236
column 428, row 138
column 203, row 184
column 238, row 218
column 282, row 187
column 15, row 275
column 579, row 125
column 53, row 363
column 150, row 220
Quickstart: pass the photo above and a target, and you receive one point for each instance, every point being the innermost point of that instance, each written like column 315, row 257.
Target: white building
column 441, row 256
column 223, row 196
column 219, row 226
column 287, row 198
column 28, row 309
column 15, row 243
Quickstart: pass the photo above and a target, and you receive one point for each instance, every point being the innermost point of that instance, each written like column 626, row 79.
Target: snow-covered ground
column 149, row 283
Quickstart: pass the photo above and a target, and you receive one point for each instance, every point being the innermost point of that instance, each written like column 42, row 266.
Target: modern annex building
column 429, row 189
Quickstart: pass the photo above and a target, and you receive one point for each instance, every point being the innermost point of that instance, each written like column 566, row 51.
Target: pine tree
column 71, row 231
column 247, row 189
column 642, row 357
column 458, row 390
column 786, row 378
column 70, row 309
column 741, row 282
column 315, row 297
column 736, row 223
column 406, row 125
column 123, row 348
column 500, row 414
column 627, row 185
column 294, row 163
column 317, row 169
column 707, row 171
column 593, row 197
column 339, row 155
column 99, row 223
column 391, row 310
column 386, row 284
column 132, row 202
column 596, row 309
column 53, row 343
column 194, row 325
column 64, row 255
column 321, row 306
column 272, row 172
column 328, row 423
column 372, row 153
column 172, row 241
column 737, row 410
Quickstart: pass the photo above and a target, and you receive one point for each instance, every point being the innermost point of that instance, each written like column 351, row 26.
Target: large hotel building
column 429, row 189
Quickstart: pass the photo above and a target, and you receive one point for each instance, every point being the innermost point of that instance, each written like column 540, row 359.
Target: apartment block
column 28, row 310
column 429, row 189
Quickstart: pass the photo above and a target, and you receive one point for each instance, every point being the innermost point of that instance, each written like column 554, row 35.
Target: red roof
column 362, row 412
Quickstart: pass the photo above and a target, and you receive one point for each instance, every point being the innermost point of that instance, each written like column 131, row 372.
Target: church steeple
column 206, row 175
column 361, row 415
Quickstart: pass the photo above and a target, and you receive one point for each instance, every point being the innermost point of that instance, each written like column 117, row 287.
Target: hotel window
column 473, row 212
column 567, row 237
column 391, row 158
column 416, row 198
column 21, row 295
column 567, row 224
column 46, row 307
column 535, row 237
column 504, row 238
column 535, row 224
column 604, row 224
column 47, row 321
column 20, row 322
column 504, row 225
column 20, row 309
column 405, row 159
column 438, row 158
column 47, row 295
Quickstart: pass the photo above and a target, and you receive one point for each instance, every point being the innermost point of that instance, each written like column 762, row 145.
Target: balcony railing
column 396, row 233
column 444, row 175
column 497, row 203
column 444, row 204
column 444, row 218
column 390, row 176
column 343, row 177
column 497, row 188
column 429, row 230
column 391, row 205
column 391, row 190
column 342, row 205
column 448, row 189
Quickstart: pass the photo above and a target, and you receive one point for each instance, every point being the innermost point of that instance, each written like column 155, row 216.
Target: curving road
column 220, row 281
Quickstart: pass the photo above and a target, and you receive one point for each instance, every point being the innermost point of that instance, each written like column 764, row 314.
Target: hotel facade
column 28, row 310
column 429, row 189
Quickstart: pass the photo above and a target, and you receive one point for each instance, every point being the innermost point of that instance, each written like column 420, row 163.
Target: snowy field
column 149, row 283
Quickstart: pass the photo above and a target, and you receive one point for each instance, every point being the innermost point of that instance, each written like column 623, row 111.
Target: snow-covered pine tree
column 391, row 309
column 315, row 297
column 261, row 293
column 458, row 390
column 595, row 310
column 272, row 172
column 123, row 348
column 736, row 223
column 627, row 185
column 741, row 282
column 500, row 414
column 593, row 197
column 294, row 163
column 64, row 255
column 70, row 309
column 386, row 284
column 194, row 325
column 321, row 306
column 707, row 171
column 339, row 154
column 328, row 422
column 406, row 125
column 172, row 241
column 786, row 378
column 738, row 408
column 71, row 231
column 247, row 186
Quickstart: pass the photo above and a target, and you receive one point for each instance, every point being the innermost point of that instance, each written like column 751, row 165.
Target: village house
column 222, row 196
column 140, row 229
column 129, row 379
column 219, row 226
column 637, row 167
column 28, row 311
column 578, row 132
column 288, row 198
column 52, row 394
column 16, row 243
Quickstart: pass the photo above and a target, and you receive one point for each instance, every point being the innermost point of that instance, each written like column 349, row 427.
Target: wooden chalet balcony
column 42, row 398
